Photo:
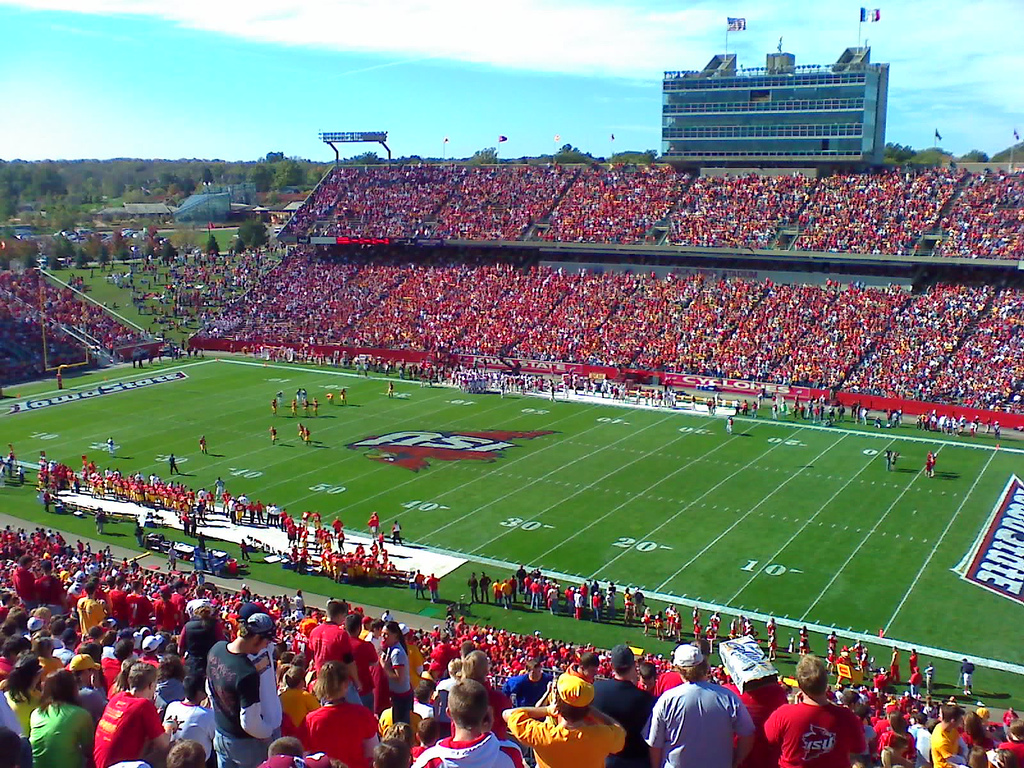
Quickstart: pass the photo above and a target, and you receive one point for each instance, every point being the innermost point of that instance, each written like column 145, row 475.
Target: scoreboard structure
column 779, row 115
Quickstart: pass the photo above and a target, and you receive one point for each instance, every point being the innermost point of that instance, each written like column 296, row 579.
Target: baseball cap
column 261, row 624
column 575, row 691
column 35, row 624
column 152, row 643
column 622, row 657
column 687, row 656
column 82, row 662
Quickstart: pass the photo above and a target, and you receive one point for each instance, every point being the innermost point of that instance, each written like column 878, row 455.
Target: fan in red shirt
column 329, row 641
column 365, row 656
column 343, row 731
column 25, row 581
column 762, row 698
column 117, row 598
column 140, row 606
column 49, row 590
column 130, row 722
column 814, row 732
column 168, row 615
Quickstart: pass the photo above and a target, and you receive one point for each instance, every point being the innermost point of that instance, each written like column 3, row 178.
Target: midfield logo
column 413, row 450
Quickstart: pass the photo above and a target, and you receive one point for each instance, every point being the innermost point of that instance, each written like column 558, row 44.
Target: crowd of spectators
column 619, row 204
column 987, row 369
column 21, row 344
column 499, row 203
column 884, row 212
column 738, row 211
column 877, row 340
column 915, row 348
column 62, row 307
column 880, row 212
column 105, row 663
column 987, row 220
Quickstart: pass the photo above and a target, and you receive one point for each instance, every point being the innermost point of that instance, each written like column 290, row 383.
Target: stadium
column 766, row 387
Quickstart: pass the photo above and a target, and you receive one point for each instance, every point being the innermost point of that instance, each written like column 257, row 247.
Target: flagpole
column 860, row 29
column 727, row 41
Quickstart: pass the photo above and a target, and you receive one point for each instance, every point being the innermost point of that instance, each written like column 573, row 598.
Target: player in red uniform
column 373, row 524
column 273, row 436
column 273, row 406
column 202, row 444
column 929, row 465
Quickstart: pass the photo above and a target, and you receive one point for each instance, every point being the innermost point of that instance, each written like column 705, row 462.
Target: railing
column 793, row 105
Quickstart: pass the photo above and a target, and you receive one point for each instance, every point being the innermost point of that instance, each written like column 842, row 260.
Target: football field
column 783, row 518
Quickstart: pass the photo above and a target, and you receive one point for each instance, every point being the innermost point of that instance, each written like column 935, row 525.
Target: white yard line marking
column 803, row 527
column 864, row 540
column 822, row 629
column 938, row 543
column 749, row 512
column 601, row 479
column 559, row 468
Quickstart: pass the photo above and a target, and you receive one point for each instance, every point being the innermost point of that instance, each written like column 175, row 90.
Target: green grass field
column 780, row 518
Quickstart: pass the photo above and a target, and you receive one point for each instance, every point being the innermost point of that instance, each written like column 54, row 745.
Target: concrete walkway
column 258, row 587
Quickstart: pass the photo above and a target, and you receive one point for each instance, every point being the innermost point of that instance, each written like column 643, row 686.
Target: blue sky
column 235, row 79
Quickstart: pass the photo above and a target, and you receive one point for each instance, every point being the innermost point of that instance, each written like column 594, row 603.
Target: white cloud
column 941, row 51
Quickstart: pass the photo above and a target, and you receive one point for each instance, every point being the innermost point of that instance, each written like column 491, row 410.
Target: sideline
column 883, row 434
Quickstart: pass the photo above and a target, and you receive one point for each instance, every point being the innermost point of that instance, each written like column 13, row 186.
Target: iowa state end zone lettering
column 102, row 389
column 413, row 450
column 996, row 562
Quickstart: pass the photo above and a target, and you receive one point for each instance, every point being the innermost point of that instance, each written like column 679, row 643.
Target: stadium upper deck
column 900, row 213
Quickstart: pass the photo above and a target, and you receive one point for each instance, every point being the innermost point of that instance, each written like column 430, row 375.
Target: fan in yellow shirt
column 569, row 733
column 946, row 737
column 296, row 701
column 91, row 612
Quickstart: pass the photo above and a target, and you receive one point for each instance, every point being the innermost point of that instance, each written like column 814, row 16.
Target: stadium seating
column 882, row 341
column 614, row 205
column 498, row 203
column 914, row 350
column 987, row 220
column 739, row 211
column 875, row 213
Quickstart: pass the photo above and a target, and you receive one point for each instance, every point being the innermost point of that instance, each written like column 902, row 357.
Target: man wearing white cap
column 695, row 724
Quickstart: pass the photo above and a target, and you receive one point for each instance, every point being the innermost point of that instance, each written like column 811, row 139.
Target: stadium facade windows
column 830, row 114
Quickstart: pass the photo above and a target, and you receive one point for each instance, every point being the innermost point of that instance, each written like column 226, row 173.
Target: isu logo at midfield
column 414, row 450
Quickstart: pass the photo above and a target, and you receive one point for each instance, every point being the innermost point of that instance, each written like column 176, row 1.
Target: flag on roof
column 502, row 138
column 445, row 139
column 613, row 137
column 558, row 137
column 938, row 136
column 736, row 25
column 1016, row 136
column 870, row 14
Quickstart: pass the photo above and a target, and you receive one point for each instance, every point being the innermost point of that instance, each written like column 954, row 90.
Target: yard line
column 865, row 540
column 603, row 477
column 746, row 514
column 546, row 474
column 810, row 520
column 937, row 544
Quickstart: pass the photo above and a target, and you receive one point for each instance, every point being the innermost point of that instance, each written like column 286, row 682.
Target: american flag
column 736, row 25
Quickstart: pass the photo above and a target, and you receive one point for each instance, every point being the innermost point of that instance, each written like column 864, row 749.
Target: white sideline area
column 217, row 527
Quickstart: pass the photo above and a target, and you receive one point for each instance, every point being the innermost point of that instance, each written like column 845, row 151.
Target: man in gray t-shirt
column 693, row 724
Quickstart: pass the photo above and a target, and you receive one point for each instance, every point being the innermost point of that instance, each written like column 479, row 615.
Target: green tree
column 974, row 156
column 239, row 245
column 288, row 174
column 207, row 175
column 63, row 249
column 103, row 256
column 931, row 156
column 486, row 156
column 168, row 252
column 275, row 157
column 366, row 158
column 188, row 185
column 81, row 258
column 253, row 233
column 898, row 154
column 261, row 176
column 212, row 247
column 570, row 155
column 634, row 157
column 1004, row 155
